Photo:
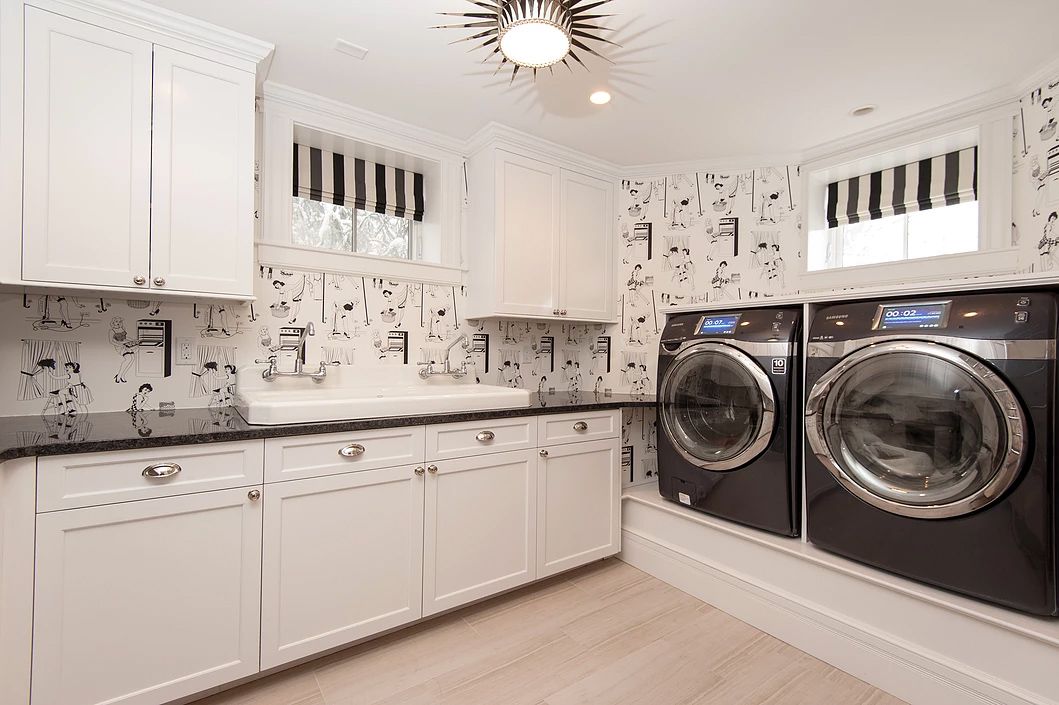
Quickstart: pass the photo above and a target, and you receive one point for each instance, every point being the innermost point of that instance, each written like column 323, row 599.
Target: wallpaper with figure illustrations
column 73, row 355
column 1035, row 229
column 697, row 238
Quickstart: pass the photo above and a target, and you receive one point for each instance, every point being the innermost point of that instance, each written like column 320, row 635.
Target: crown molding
column 495, row 132
column 171, row 24
column 1045, row 74
column 279, row 94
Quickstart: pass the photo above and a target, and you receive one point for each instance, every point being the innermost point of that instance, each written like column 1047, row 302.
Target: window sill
column 318, row 260
column 926, row 269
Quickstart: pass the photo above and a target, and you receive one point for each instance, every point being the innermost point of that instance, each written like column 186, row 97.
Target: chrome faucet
column 428, row 367
column 272, row 372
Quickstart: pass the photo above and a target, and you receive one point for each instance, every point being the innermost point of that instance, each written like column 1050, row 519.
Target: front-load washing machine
column 729, row 413
column 930, row 426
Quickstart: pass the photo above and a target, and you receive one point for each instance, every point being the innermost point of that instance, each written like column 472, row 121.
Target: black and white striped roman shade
column 942, row 181
column 328, row 177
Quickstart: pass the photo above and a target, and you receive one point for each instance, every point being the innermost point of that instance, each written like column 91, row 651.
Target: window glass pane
column 873, row 242
column 943, row 231
column 383, row 235
column 821, row 250
column 323, row 225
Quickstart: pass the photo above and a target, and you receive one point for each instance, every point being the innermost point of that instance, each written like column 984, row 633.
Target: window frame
column 990, row 130
column 287, row 116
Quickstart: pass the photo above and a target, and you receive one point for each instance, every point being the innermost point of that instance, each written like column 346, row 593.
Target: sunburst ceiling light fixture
column 533, row 34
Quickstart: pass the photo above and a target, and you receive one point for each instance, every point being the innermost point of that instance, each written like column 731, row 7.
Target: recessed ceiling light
column 863, row 110
column 600, row 97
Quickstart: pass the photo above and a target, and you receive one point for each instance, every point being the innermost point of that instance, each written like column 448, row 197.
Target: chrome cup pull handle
column 161, row 470
column 580, row 426
column 485, row 436
column 353, row 450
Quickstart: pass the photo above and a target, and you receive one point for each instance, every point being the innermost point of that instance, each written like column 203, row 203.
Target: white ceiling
column 694, row 79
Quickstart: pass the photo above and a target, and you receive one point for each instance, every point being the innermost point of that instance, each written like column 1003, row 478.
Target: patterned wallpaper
column 1036, row 166
column 71, row 355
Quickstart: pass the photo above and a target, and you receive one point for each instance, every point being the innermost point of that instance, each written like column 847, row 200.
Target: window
column 333, row 227
column 930, row 233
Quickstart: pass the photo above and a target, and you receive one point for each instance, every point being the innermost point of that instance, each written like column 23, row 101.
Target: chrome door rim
column 766, row 428
column 998, row 391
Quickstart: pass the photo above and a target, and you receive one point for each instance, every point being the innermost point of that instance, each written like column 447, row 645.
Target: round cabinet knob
column 555, row 312
column 485, row 436
column 420, row 472
column 563, row 312
column 139, row 280
column 432, row 469
column 254, row 495
column 544, row 454
column 159, row 281
column 580, row 426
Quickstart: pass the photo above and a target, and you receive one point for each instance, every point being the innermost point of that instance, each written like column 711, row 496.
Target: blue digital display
column 908, row 316
column 719, row 325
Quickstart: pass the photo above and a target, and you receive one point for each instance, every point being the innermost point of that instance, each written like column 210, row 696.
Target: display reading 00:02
column 921, row 316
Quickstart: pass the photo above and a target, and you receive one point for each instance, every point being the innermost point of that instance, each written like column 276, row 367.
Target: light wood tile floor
column 606, row 634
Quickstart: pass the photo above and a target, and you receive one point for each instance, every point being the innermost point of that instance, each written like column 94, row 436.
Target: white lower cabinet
column 343, row 559
column 162, row 574
column 579, row 500
column 481, row 528
column 140, row 603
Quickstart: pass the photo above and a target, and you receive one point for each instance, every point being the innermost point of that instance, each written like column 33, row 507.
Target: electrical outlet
column 185, row 351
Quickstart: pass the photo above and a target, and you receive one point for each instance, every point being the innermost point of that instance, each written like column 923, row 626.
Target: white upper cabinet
column 202, row 205
column 112, row 200
column 527, row 232
column 586, row 271
column 540, row 239
column 87, row 165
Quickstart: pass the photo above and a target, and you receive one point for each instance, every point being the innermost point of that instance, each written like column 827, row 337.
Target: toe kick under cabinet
column 162, row 573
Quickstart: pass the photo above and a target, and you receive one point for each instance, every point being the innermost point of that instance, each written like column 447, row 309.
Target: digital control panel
column 719, row 325
column 913, row 316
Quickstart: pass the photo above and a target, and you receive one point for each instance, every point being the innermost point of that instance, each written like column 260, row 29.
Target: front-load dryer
column 930, row 428
column 729, row 413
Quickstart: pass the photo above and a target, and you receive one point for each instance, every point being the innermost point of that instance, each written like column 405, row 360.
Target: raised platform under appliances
column 728, row 409
column 930, row 429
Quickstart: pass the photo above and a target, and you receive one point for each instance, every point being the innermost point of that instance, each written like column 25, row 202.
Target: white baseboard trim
column 914, row 675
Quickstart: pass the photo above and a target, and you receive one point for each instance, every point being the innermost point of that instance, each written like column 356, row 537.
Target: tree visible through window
column 332, row 227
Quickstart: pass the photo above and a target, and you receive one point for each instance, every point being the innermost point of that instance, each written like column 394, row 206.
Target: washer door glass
column 717, row 407
column 915, row 429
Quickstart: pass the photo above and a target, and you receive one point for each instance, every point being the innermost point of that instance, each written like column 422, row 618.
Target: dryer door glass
column 907, row 428
column 717, row 407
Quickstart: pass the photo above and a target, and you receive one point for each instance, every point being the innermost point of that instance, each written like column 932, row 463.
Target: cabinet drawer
column 572, row 428
column 91, row 479
column 336, row 453
column 462, row 440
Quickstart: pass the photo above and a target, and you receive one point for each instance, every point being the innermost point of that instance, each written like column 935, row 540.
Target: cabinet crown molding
column 495, row 134
column 169, row 23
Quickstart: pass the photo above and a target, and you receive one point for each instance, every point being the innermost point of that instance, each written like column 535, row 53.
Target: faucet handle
column 271, row 359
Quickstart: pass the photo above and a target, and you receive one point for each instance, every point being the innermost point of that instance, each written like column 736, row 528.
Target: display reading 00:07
column 719, row 325
column 913, row 316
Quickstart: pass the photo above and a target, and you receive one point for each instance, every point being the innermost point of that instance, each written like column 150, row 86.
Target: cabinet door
column 527, row 236
column 144, row 602
column 87, row 164
column 586, row 254
column 343, row 560
column 480, row 534
column 202, row 220
column 579, row 505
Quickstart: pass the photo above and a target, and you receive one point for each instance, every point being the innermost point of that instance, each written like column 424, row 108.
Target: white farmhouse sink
column 363, row 392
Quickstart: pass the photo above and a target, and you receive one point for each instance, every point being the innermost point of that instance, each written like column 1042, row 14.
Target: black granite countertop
column 29, row 436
